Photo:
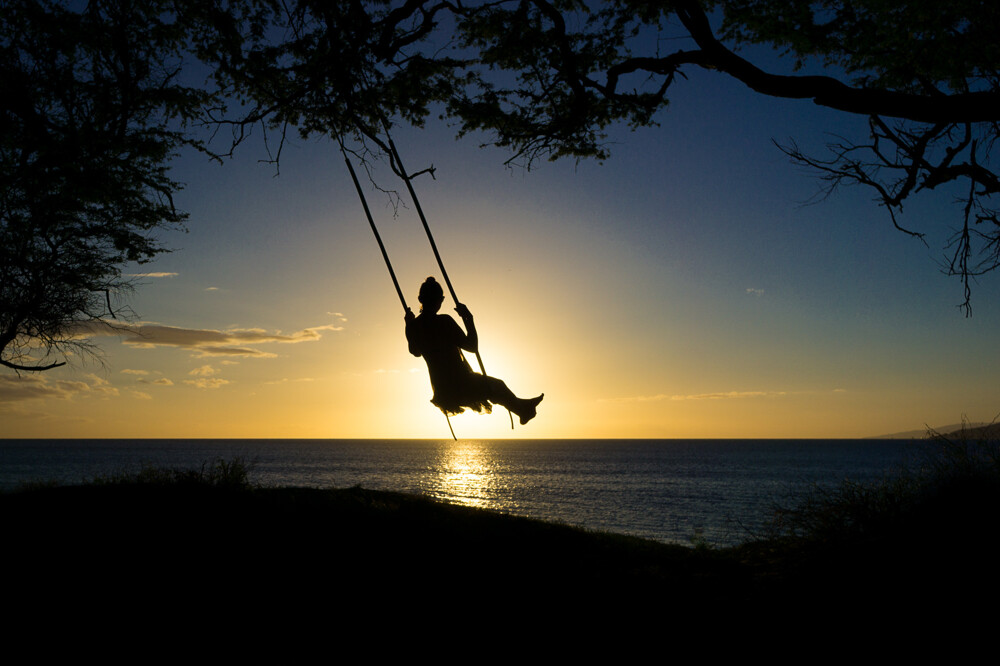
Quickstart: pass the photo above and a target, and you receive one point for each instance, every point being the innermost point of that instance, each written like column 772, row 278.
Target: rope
column 394, row 154
column 430, row 237
column 371, row 222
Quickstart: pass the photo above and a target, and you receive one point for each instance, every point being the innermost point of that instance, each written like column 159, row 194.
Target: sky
column 683, row 288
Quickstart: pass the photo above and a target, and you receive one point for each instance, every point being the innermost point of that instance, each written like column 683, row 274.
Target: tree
column 329, row 67
column 95, row 105
column 926, row 74
column 546, row 77
column 91, row 113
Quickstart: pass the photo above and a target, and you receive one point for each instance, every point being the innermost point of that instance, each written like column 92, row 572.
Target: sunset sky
column 681, row 289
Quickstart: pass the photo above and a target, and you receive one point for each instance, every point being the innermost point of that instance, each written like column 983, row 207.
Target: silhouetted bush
column 236, row 473
column 956, row 483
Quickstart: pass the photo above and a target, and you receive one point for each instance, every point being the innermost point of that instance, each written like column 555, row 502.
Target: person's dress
column 456, row 387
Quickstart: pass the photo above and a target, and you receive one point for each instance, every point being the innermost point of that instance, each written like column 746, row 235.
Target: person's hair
column 430, row 291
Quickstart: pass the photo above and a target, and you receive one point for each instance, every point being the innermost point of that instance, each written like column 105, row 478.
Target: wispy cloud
column 162, row 381
column 15, row 389
column 731, row 395
column 727, row 395
column 101, row 385
column 153, row 275
column 203, row 342
column 129, row 371
column 721, row 395
column 287, row 380
column 207, row 382
column 755, row 292
column 203, row 371
column 26, row 388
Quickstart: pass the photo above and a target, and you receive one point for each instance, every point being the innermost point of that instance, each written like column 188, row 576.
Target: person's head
column 431, row 296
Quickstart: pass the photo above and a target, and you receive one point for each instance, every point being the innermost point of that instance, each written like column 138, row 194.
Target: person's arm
column 411, row 336
column 471, row 341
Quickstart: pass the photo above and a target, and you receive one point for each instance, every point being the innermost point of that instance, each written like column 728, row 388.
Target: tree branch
column 969, row 107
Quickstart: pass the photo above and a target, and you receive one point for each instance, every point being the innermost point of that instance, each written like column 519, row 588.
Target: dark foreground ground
column 122, row 553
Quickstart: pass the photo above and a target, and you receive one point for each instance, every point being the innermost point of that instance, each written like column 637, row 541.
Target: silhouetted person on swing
column 440, row 341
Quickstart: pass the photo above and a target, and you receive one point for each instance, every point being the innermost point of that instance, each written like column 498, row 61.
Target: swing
column 401, row 171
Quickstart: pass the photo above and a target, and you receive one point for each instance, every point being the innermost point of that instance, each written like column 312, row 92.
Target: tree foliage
column 937, row 66
column 339, row 68
column 95, row 105
column 926, row 74
column 545, row 78
column 91, row 113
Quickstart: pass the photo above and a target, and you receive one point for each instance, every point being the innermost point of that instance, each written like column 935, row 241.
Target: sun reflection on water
column 467, row 473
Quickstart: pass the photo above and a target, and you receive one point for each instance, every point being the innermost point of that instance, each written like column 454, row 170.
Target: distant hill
column 971, row 430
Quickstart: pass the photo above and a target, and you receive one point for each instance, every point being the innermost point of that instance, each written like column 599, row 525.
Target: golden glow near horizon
column 646, row 298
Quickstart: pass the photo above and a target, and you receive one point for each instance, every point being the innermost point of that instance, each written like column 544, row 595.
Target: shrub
column 236, row 473
column 955, row 482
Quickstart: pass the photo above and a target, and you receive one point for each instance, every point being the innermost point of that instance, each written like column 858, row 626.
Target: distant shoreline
column 970, row 430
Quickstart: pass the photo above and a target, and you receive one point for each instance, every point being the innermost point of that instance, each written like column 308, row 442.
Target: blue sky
column 679, row 289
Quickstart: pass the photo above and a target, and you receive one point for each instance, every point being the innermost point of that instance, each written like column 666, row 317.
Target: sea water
column 721, row 491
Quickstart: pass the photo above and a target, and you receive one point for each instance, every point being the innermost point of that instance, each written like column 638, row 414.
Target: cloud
column 204, row 342
column 26, row 388
column 15, row 389
column 728, row 395
column 206, row 351
column 153, row 275
column 102, row 386
column 211, row 289
column 203, row 371
column 141, row 395
column 162, row 381
column 723, row 395
column 755, row 292
column 128, row 371
column 207, row 383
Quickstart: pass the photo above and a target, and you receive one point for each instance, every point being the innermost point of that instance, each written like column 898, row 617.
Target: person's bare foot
column 528, row 411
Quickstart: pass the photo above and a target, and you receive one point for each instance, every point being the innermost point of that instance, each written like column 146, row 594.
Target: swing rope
column 381, row 245
column 394, row 155
column 448, row 419
column 404, row 174
column 371, row 222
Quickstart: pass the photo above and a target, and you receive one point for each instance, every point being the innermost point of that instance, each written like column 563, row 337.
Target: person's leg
column 497, row 392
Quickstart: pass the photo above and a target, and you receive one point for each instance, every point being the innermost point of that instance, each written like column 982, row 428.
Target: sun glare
column 464, row 474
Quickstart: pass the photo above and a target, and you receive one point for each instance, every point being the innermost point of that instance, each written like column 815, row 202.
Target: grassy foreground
column 921, row 542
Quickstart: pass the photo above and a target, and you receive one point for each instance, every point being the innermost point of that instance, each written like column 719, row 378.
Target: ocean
column 675, row 491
